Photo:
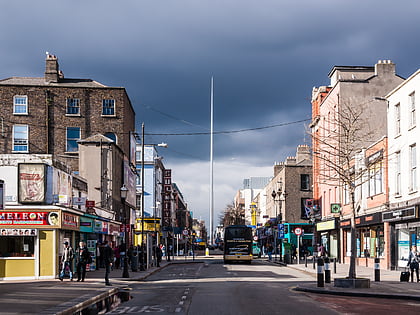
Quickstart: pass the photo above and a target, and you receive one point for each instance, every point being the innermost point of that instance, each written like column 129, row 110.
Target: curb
column 359, row 294
column 82, row 304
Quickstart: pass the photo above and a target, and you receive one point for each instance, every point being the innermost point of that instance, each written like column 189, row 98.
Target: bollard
column 327, row 270
column 377, row 270
column 306, row 261
column 335, row 265
column 320, row 273
column 207, row 252
column 313, row 261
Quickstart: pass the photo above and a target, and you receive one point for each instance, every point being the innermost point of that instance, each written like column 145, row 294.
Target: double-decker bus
column 238, row 243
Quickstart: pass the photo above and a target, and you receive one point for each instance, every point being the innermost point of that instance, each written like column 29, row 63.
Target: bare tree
column 338, row 141
column 232, row 215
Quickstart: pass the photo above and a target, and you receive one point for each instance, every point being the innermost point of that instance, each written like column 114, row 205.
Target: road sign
column 280, row 228
column 298, row 231
column 185, row 232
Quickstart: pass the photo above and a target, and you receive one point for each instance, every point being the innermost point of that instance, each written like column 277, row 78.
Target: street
column 260, row 288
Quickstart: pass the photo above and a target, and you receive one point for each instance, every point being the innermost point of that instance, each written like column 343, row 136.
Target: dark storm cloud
column 265, row 57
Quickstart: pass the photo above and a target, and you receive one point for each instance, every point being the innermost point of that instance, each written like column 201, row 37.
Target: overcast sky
column 265, row 57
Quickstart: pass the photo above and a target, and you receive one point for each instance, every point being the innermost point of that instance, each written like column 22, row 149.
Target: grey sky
column 265, row 57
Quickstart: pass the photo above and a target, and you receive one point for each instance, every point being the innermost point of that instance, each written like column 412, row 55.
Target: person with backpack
column 83, row 258
column 413, row 262
column 66, row 261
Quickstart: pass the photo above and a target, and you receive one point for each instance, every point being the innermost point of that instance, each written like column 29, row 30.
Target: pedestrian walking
column 67, row 261
column 108, row 258
column 413, row 262
column 269, row 251
column 83, row 258
column 158, row 256
column 117, row 257
column 98, row 255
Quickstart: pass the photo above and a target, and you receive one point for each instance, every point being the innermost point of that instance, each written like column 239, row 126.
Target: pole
column 211, row 164
column 142, row 200
column 327, row 270
column 320, row 273
column 125, row 267
column 377, row 270
column 298, row 250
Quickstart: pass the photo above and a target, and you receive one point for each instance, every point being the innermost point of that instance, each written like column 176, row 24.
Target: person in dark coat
column 108, row 258
column 83, row 257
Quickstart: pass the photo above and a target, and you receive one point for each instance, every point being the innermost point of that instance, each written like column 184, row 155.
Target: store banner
column 70, row 221
column 27, row 218
column 86, row 225
column 19, row 232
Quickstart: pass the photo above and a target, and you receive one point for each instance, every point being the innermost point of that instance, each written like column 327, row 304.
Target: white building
column 404, row 194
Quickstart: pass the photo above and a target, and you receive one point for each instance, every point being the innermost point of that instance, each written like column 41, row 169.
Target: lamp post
column 124, row 192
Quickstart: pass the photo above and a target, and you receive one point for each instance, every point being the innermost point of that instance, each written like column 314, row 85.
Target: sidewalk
column 389, row 285
column 66, row 297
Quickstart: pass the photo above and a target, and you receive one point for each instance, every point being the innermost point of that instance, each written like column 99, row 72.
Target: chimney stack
column 52, row 73
column 384, row 67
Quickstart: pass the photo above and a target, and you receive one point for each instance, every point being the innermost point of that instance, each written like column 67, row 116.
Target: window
column 73, row 134
column 108, row 107
column 375, row 179
column 412, row 104
column 398, row 173
column 397, row 119
column 20, row 138
column 413, row 168
column 73, row 106
column 304, row 182
column 111, row 136
column 20, row 105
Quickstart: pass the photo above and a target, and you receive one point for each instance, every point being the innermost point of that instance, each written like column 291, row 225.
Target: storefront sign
column 345, row 224
column 370, row 219
column 413, row 224
column 79, row 201
column 113, row 229
column 326, row 225
column 149, row 225
column 27, row 218
column 86, row 225
column 70, row 221
column 19, row 232
column 402, row 214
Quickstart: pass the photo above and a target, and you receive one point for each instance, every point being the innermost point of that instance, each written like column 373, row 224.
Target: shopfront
column 370, row 239
column 329, row 237
column 405, row 232
column 28, row 244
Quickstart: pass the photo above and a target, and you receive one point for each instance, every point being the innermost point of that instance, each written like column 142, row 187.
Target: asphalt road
column 215, row 288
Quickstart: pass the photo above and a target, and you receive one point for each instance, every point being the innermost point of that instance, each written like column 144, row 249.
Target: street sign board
column 185, row 232
column 280, row 228
column 298, row 231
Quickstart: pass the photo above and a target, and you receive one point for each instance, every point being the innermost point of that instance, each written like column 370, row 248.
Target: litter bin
column 287, row 253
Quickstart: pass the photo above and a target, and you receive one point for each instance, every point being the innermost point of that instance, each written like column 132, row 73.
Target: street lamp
column 123, row 192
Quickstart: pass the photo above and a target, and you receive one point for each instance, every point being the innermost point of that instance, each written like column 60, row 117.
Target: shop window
column 17, row 246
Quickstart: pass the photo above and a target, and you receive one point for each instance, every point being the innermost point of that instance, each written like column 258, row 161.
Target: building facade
column 356, row 91
column 404, row 194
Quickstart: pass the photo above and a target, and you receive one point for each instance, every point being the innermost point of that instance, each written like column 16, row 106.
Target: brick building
column 48, row 115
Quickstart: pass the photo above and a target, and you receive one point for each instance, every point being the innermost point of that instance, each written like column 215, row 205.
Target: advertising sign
column 31, row 183
column 27, row 218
